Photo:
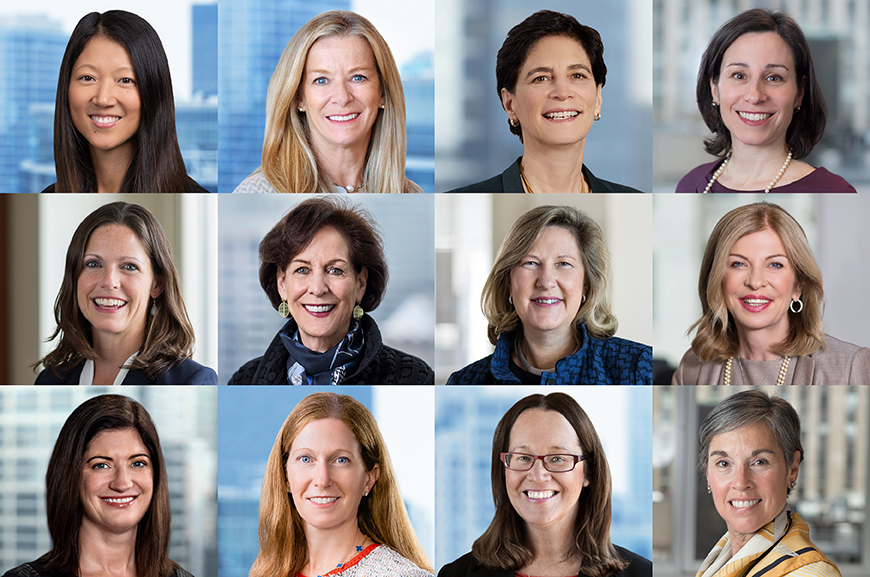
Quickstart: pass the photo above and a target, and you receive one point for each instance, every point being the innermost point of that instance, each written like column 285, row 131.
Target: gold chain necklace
column 783, row 369
column 529, row 188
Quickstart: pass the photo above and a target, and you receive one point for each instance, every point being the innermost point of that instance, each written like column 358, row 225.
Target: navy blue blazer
column 187, row 373
column 467, row 566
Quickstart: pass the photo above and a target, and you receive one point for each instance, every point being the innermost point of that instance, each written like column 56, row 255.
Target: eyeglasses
column 552, row 463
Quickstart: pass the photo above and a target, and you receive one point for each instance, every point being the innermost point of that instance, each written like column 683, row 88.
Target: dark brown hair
column 63, row 481
column 504, row 545
column 522, row 37
column 157, row 165
column 295, row 231
column 168, row 335
column 807, row 124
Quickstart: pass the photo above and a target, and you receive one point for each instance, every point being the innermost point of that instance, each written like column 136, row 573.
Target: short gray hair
column 747, row 408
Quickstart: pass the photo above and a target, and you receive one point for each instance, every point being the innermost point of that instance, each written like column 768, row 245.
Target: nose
column 341, row 93
column 322, row 477
column 741, row 478
column 560, row 89
column 105, row 94
column 538, row 471
column 756, row 279
column 317, row 284
column 121, row 480
column 755, row 91
column 110, row 277
column 546, row 278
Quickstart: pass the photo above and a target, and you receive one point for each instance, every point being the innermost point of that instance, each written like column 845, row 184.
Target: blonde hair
column 595, row 312
column 381, row 516
column 716, row 337
column 289, row 162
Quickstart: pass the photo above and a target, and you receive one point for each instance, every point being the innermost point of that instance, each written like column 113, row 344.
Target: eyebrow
column 743, row 64
column 333, row 261
column 351, row 71
column 765, row 258
column 558, row 256
column 754, row 453
column 551, row 448
column 92, row 67
column 99, row 256
column 136, row 456
column 549, row 70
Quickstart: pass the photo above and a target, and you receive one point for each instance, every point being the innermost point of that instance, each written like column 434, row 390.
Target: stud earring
column 798, row 109
column 513, row 122
column 714, row 104
column 709, row 490
column 284, row 309
column 597, row 116
column 300, row 109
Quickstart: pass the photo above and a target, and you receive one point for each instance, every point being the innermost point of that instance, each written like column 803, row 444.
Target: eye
column 776, row 264
column 530, row 263
column 563, row 264
column 522, row 458
column 580, row 75
column 342, row 460
column 86, row 78
column 738, row 76
column 304, row 459
column 557, row 459
column 737, row 264
column 127, row 80
column 335, row 271
column 91, row 264
column 358, row 78
column 139, row 464
column 301, row 270
column 721, row 463
column 774, row 78
column 760, row 462
column 321, row 81
column 101, row 465
column 540, row 79
column 130, row 267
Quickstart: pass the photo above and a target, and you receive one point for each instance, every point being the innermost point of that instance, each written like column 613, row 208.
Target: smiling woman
column 119, row 495
column 762, row 301
column 114, row 124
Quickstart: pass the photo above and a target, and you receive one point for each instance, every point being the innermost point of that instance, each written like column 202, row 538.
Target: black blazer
column 187, row 373
column 192, row 186
column 466, row 566
column 511, row 181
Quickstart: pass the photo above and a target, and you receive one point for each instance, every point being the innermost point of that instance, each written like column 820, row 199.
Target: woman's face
column 749, row 477
column 760, row 284
column 758, row 89
column 104, row 96
column 326, row 475
column 116, row 284
column 341, row 93
column 556, row 98
column 321, row 289
column 117, row 481
column 547, row 285
column 544, row 499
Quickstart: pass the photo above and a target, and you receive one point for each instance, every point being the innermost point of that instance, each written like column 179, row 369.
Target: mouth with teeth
column 754, row 303
column 109, row 304
column 546, row 301
column 120, row 502
column 755, row 116
column 346, row 118
column 104, row 121
column 744, row 504
column 561, row 115
column 319, row 310
column 539, row 495
column 323, row 500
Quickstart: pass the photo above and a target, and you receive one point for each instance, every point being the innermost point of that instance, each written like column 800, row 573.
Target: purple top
column 819, row 180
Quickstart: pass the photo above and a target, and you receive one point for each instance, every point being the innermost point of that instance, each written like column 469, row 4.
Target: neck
column 110, row 167
column 343, row 165
column 753, row 167
column 102, row 553
column 543, row 350
column 554, row 169
column 112, row 352
column 329, row 547
column 755, row 345
column 550, row 545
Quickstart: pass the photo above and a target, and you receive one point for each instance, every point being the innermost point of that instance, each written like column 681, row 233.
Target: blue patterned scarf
column 306, row 367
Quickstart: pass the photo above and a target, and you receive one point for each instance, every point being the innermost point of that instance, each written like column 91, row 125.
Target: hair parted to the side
column 717, row 337
column 295, row 231
column 289, row 162
column 807, row 124
column 521, row 38
column 596, row 312
column 169, row 335
column 747, row 408
column 157, row 165
column 63, row 482
column 505, row 545
column 381, row 516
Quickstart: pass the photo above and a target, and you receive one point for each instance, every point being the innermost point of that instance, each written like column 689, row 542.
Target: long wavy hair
column 157, row 165
column 381, row 516
column 717, row 337
column 505, row 546
column 595, row 312
column 289, row 162
column 169, row 335
column 63, row 503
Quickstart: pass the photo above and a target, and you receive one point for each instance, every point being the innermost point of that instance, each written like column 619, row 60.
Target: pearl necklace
column 350, row 188
column 783, row 369
column 526, row 182
column 721, row 169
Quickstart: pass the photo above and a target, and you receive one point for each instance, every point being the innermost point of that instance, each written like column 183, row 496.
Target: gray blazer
column 841, row 363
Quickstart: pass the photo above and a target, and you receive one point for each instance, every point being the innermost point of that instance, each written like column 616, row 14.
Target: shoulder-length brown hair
column 595, row 312
column 504, row 545
column 381, row 516
column 168, row 335
column 63, row 481
column 807, row 125
column 295, row 231
column 289, row 162
column 717, row 337
column 157, row 165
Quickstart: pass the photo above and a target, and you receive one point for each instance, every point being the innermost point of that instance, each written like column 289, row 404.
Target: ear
column 714, row 91
column 361, row 281
column 158, row 285
column 281, row 277
column 795, row 466
column 585, row 481
column 598, row 101
column 800, row 95
column 507, row 101
column 383, row 100
column 372, row 477
column 796, row 293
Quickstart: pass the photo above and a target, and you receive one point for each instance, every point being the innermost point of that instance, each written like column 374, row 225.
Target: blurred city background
column 37, row 230
column 249, row 420
column 247, row 323
column 835, row 225
column 465, row 420
column 473, row 142
column 839, row 35
column 831, row 491
column 185, row 420
column 470, row 228
column 33, row 37
column 254, row 33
